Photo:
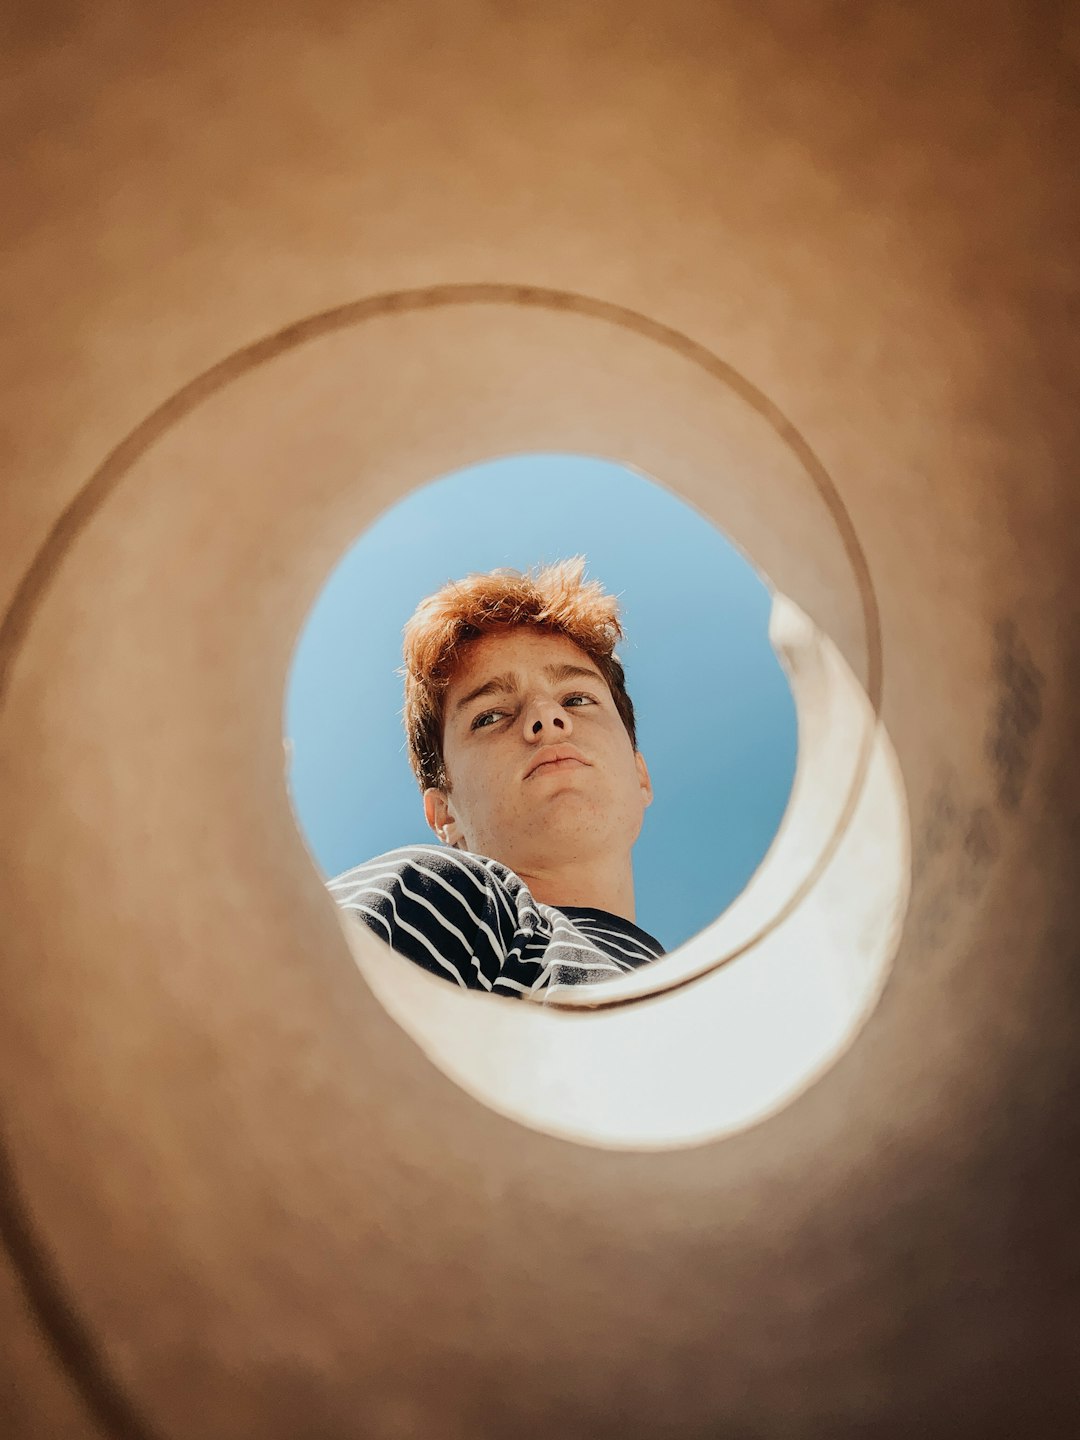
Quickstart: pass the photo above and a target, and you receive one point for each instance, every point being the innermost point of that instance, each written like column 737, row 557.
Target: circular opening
column 715, row 715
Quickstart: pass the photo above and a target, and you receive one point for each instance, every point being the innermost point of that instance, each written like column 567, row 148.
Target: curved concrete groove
column 74, row 1346
column 118, row 464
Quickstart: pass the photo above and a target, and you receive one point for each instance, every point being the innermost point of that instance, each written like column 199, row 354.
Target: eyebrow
column 508, row 683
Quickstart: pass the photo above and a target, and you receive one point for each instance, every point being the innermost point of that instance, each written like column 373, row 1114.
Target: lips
column 551, row 753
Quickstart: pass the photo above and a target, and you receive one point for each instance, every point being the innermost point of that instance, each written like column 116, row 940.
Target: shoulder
column 427, row 868
column 434, row 877
column 457, row 914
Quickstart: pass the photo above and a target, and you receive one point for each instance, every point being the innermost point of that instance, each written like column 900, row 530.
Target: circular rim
column 107, row 478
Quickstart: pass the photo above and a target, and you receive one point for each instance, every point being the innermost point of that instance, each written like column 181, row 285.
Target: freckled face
column 525, row 697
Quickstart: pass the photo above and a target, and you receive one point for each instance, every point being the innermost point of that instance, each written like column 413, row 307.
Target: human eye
column 481, row 721
column 580, row 695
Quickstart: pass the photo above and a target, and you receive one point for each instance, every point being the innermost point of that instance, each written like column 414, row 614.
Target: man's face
column 541, row 768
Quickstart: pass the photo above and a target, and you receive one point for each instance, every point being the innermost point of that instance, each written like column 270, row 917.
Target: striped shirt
column 475, row 923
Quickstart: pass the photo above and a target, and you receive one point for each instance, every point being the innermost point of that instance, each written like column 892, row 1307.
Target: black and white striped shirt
column 475, row 923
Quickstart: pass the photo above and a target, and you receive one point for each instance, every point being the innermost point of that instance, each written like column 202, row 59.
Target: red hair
column 553, row 598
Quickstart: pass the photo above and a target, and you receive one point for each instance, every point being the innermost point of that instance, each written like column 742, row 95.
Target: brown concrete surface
column 235, row 1199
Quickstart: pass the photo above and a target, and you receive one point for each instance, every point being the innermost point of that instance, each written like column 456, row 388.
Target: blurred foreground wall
column 235, row 1199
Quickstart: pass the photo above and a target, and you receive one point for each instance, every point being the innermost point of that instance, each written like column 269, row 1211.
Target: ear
column 643, row 778
column 441, row 817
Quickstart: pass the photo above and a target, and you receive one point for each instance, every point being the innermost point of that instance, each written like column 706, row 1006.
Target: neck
column 598, row 884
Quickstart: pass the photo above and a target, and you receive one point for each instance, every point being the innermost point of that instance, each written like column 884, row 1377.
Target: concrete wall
column 236, row 1199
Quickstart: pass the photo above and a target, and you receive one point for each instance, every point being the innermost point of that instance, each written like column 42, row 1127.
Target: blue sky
column 716, row 720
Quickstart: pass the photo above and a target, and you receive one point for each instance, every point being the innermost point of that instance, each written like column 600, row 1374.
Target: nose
column 544, row 716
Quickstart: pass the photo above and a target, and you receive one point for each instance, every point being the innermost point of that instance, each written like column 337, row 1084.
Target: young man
column 522, row 739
